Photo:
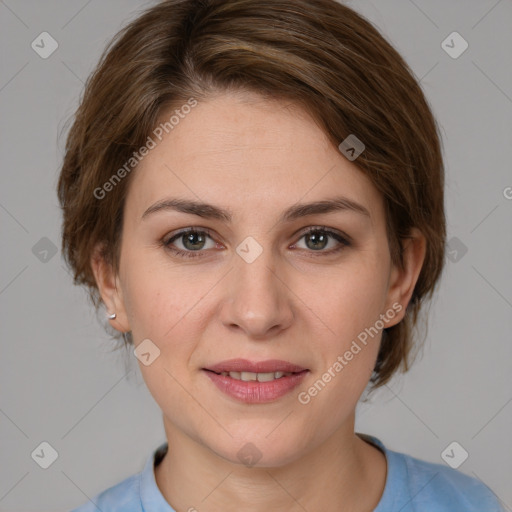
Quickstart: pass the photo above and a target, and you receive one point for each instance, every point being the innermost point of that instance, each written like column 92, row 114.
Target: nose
column 258, row 298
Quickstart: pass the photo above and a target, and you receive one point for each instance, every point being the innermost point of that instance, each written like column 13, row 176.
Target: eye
column 193, row 241
column 317, row 239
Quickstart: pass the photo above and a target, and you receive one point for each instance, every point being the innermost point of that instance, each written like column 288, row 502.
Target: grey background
column 61, row 383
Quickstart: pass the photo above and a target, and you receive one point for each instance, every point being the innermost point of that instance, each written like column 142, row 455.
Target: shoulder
column 137, row 493
column 415, row 485
column 439, row 488
column 122, row 497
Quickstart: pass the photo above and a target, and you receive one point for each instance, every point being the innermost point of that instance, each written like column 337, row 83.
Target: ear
column 403, row 280
column 110, row 289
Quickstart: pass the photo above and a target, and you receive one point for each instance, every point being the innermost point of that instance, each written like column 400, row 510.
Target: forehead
column 247, row 154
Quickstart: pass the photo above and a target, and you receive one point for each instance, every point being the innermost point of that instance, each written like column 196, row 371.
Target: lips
column 255, row 382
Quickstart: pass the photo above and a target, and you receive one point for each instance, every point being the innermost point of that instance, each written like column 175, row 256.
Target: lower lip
column 256, row 392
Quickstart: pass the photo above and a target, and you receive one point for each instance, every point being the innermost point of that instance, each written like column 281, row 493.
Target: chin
column 259, row 451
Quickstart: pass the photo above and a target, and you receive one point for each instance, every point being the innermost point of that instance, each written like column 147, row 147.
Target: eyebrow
column 209, row 211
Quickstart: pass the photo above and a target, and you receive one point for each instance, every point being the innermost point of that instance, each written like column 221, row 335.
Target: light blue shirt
column 412, row 485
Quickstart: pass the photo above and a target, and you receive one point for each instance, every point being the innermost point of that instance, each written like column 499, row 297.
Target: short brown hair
column 318, row 53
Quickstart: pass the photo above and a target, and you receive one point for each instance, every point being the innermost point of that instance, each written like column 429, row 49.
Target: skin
column 257, row 157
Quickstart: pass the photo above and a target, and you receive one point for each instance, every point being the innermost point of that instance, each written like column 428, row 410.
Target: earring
column 112, row 316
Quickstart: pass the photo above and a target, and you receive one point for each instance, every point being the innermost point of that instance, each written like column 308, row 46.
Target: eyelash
column 342, row 239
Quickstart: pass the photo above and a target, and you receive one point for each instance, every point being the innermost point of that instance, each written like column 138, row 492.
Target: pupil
column 319, row 238
column 190, row 238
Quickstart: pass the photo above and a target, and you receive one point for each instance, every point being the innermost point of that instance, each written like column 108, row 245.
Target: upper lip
column 244, row 365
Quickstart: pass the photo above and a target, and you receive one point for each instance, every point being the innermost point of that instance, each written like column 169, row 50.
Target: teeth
column 265, row 377
column 260, row 377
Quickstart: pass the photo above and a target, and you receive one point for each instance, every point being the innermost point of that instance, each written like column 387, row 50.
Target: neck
column 344, row 473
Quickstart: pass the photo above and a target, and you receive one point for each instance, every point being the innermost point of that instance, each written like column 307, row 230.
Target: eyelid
column 327, row 229
column 191, row 229
column 175, row 235
column 300, row 232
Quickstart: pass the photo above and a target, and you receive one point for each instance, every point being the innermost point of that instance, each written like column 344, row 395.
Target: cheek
column 167, row 317
column 353, row 301
column 174, row 394
column 165, row 308
column 350, row 307
column 156, row 298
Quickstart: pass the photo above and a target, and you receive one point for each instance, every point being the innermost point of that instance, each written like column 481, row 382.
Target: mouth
column 252, row 376
column 255, row 382
column 246, row 366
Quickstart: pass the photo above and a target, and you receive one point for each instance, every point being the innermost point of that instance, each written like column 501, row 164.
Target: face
column 299, row 290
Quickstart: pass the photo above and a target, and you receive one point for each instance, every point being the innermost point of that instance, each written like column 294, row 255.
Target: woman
column 254, row 191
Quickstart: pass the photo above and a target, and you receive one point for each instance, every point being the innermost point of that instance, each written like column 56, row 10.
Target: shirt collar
column 151, row 498
column 396, row 476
